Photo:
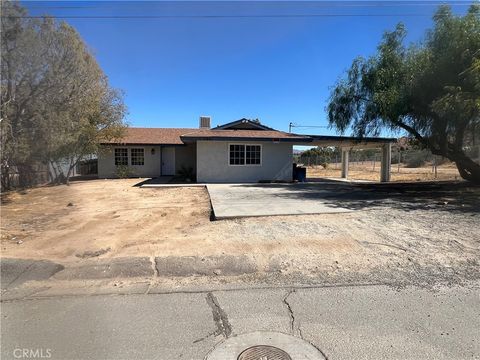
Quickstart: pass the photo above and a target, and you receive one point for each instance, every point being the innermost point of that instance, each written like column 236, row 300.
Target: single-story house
column 240, row 151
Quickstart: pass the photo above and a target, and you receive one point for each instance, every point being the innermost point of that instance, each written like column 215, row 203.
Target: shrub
column 415, row 159
column 123, row 172
column 186, row 173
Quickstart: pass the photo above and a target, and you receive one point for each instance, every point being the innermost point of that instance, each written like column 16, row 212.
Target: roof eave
column 353, row 138
column 142, row 144
column 244, row 138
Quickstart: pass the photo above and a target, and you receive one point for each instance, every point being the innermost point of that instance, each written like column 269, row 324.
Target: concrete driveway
column 248, row 200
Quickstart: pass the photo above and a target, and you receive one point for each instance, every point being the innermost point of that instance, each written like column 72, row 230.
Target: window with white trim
column 253, row 154
column 121, row 157
column 241, row 154
column 137, row 156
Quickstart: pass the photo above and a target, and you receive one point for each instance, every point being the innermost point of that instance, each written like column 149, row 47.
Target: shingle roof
column 178, row 136
column 174, row 136
column 153, row 136
column 205, row 134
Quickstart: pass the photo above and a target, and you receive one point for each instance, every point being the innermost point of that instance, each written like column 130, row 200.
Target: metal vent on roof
column 204, row 122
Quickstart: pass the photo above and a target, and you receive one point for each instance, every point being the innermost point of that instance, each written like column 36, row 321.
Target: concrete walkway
column 249, row 200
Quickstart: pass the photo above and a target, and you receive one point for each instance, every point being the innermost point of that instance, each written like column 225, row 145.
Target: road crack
column 219, row 317
column 205, row 337
column 290, row 311
column 294, row 324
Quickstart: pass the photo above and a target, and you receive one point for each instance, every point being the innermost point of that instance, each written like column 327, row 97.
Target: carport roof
column 280, row 136
column 351, row 138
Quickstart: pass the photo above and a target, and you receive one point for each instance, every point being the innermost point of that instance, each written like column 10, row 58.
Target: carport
column 250, row 200
column 347, row 143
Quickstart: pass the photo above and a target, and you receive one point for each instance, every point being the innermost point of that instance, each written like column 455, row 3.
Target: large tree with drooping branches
column 430, row 90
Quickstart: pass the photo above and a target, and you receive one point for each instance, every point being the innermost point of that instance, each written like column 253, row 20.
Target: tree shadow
column 5, row 198
column 445, row 196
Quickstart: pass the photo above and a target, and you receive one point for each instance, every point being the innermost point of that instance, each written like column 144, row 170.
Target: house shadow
column 155, row 181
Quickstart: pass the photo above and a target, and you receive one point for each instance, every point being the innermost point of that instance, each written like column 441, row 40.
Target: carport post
column 386, row 162
column 345, row 162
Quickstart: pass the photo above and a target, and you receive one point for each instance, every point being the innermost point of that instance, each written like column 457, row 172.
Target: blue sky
column 176, row 61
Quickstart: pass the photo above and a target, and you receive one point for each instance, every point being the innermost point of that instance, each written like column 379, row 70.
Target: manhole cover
column 264, row 345
column 264, row 352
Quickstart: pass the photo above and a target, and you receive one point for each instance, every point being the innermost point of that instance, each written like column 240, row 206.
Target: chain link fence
column 417, row 164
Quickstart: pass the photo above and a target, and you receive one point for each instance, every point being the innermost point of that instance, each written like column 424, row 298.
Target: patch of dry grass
column 370, row 171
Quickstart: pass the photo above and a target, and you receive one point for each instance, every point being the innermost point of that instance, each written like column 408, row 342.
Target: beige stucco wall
column 213, row 163
column 151, row 168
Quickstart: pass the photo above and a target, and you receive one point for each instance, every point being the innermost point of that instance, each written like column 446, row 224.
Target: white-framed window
column 245, row 154
column 253, row 154
column 121, row 157
column 237, row 154
column 137, row 156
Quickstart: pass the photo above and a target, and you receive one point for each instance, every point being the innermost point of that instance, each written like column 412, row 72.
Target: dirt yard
column 113, row 218
column 371, row 171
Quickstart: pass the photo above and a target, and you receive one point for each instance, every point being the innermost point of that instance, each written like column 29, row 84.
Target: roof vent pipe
column 204, row 122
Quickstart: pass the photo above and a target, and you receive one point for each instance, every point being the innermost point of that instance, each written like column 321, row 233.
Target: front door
column 168, row 161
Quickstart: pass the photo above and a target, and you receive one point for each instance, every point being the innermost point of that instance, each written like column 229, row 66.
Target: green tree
column 57, row 105
column 323, row 154
column 430, row 90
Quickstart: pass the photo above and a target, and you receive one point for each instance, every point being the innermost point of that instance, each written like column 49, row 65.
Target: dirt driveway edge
column 155, row 275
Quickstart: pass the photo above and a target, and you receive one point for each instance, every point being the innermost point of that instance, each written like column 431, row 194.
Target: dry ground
column 114, row 217
column 369, row 171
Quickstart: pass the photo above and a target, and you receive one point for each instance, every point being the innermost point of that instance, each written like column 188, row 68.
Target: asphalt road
column 353, row 322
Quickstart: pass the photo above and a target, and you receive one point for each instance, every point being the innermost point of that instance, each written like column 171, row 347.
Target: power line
column 212, row 16
column 311, row 126
column 292, row 125
column 325, row 4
